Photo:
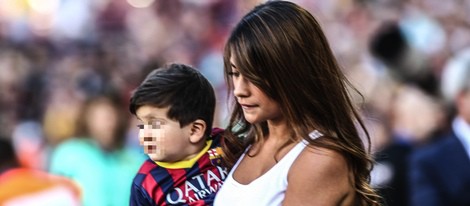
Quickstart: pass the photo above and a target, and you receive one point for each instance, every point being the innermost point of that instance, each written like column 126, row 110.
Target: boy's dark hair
column 187, row 92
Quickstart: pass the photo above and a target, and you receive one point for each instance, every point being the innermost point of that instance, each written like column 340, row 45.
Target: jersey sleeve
column 139, row 197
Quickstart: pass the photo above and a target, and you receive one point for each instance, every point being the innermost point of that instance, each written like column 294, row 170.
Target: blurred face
column 416, row 114
column 162, row 138
column 102, row 121
column 463, row 105
column 257, row 106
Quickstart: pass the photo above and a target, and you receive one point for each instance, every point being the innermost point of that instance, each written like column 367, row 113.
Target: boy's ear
column 198, row 127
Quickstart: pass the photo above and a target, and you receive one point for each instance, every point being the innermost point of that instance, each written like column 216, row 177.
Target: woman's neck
column 279, row 130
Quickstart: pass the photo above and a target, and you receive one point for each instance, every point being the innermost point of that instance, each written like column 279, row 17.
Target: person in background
column 440, row 172
column 23, row 186
column 97, row 159
column 292, row 137
column 176, row 105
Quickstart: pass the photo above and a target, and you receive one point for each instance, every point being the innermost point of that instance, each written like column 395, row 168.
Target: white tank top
column 268, row 189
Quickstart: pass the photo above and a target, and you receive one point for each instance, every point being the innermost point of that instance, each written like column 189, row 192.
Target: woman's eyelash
column 236, row 74
column 140, row 126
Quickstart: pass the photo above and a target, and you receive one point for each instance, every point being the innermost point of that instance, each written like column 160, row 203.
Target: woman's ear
column 198, row 127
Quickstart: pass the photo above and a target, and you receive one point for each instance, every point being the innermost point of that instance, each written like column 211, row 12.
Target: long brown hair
column 280, row 48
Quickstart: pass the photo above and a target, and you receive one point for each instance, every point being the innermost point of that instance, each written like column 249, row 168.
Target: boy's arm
column 139, row 197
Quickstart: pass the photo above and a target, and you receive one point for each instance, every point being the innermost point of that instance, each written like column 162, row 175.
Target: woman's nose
column 241, row 87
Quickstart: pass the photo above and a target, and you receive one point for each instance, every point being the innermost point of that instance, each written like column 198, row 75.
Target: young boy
column 176, row 107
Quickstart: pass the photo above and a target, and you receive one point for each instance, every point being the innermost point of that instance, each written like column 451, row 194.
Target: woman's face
column 102, row 120
column 256, row 105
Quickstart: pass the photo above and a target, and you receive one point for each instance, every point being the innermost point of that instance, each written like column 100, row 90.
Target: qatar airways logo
column 198, row 187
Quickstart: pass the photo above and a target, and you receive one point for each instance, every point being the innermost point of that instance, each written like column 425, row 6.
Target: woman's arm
column 319, row 177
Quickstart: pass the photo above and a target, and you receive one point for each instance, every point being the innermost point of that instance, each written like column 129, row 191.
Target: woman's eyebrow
column 233, row 65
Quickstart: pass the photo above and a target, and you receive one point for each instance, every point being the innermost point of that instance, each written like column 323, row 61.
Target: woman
column 97, row 159
column 292, row 137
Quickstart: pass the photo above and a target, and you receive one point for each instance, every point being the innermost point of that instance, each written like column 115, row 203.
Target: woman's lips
column 247, row 106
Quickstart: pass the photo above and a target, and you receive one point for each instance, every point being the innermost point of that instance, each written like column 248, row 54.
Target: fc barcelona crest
column 215, row 155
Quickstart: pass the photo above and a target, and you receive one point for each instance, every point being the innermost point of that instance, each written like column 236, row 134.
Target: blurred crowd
column 56, row 56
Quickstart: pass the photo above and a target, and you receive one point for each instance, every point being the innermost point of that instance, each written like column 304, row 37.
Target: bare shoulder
column 319, row 176
column 324, row 162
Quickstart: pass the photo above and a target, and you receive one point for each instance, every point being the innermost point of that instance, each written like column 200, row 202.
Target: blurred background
column 59, row 59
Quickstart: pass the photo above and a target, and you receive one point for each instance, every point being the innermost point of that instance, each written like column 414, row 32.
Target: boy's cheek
column 159, row 133
column 141, row 137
